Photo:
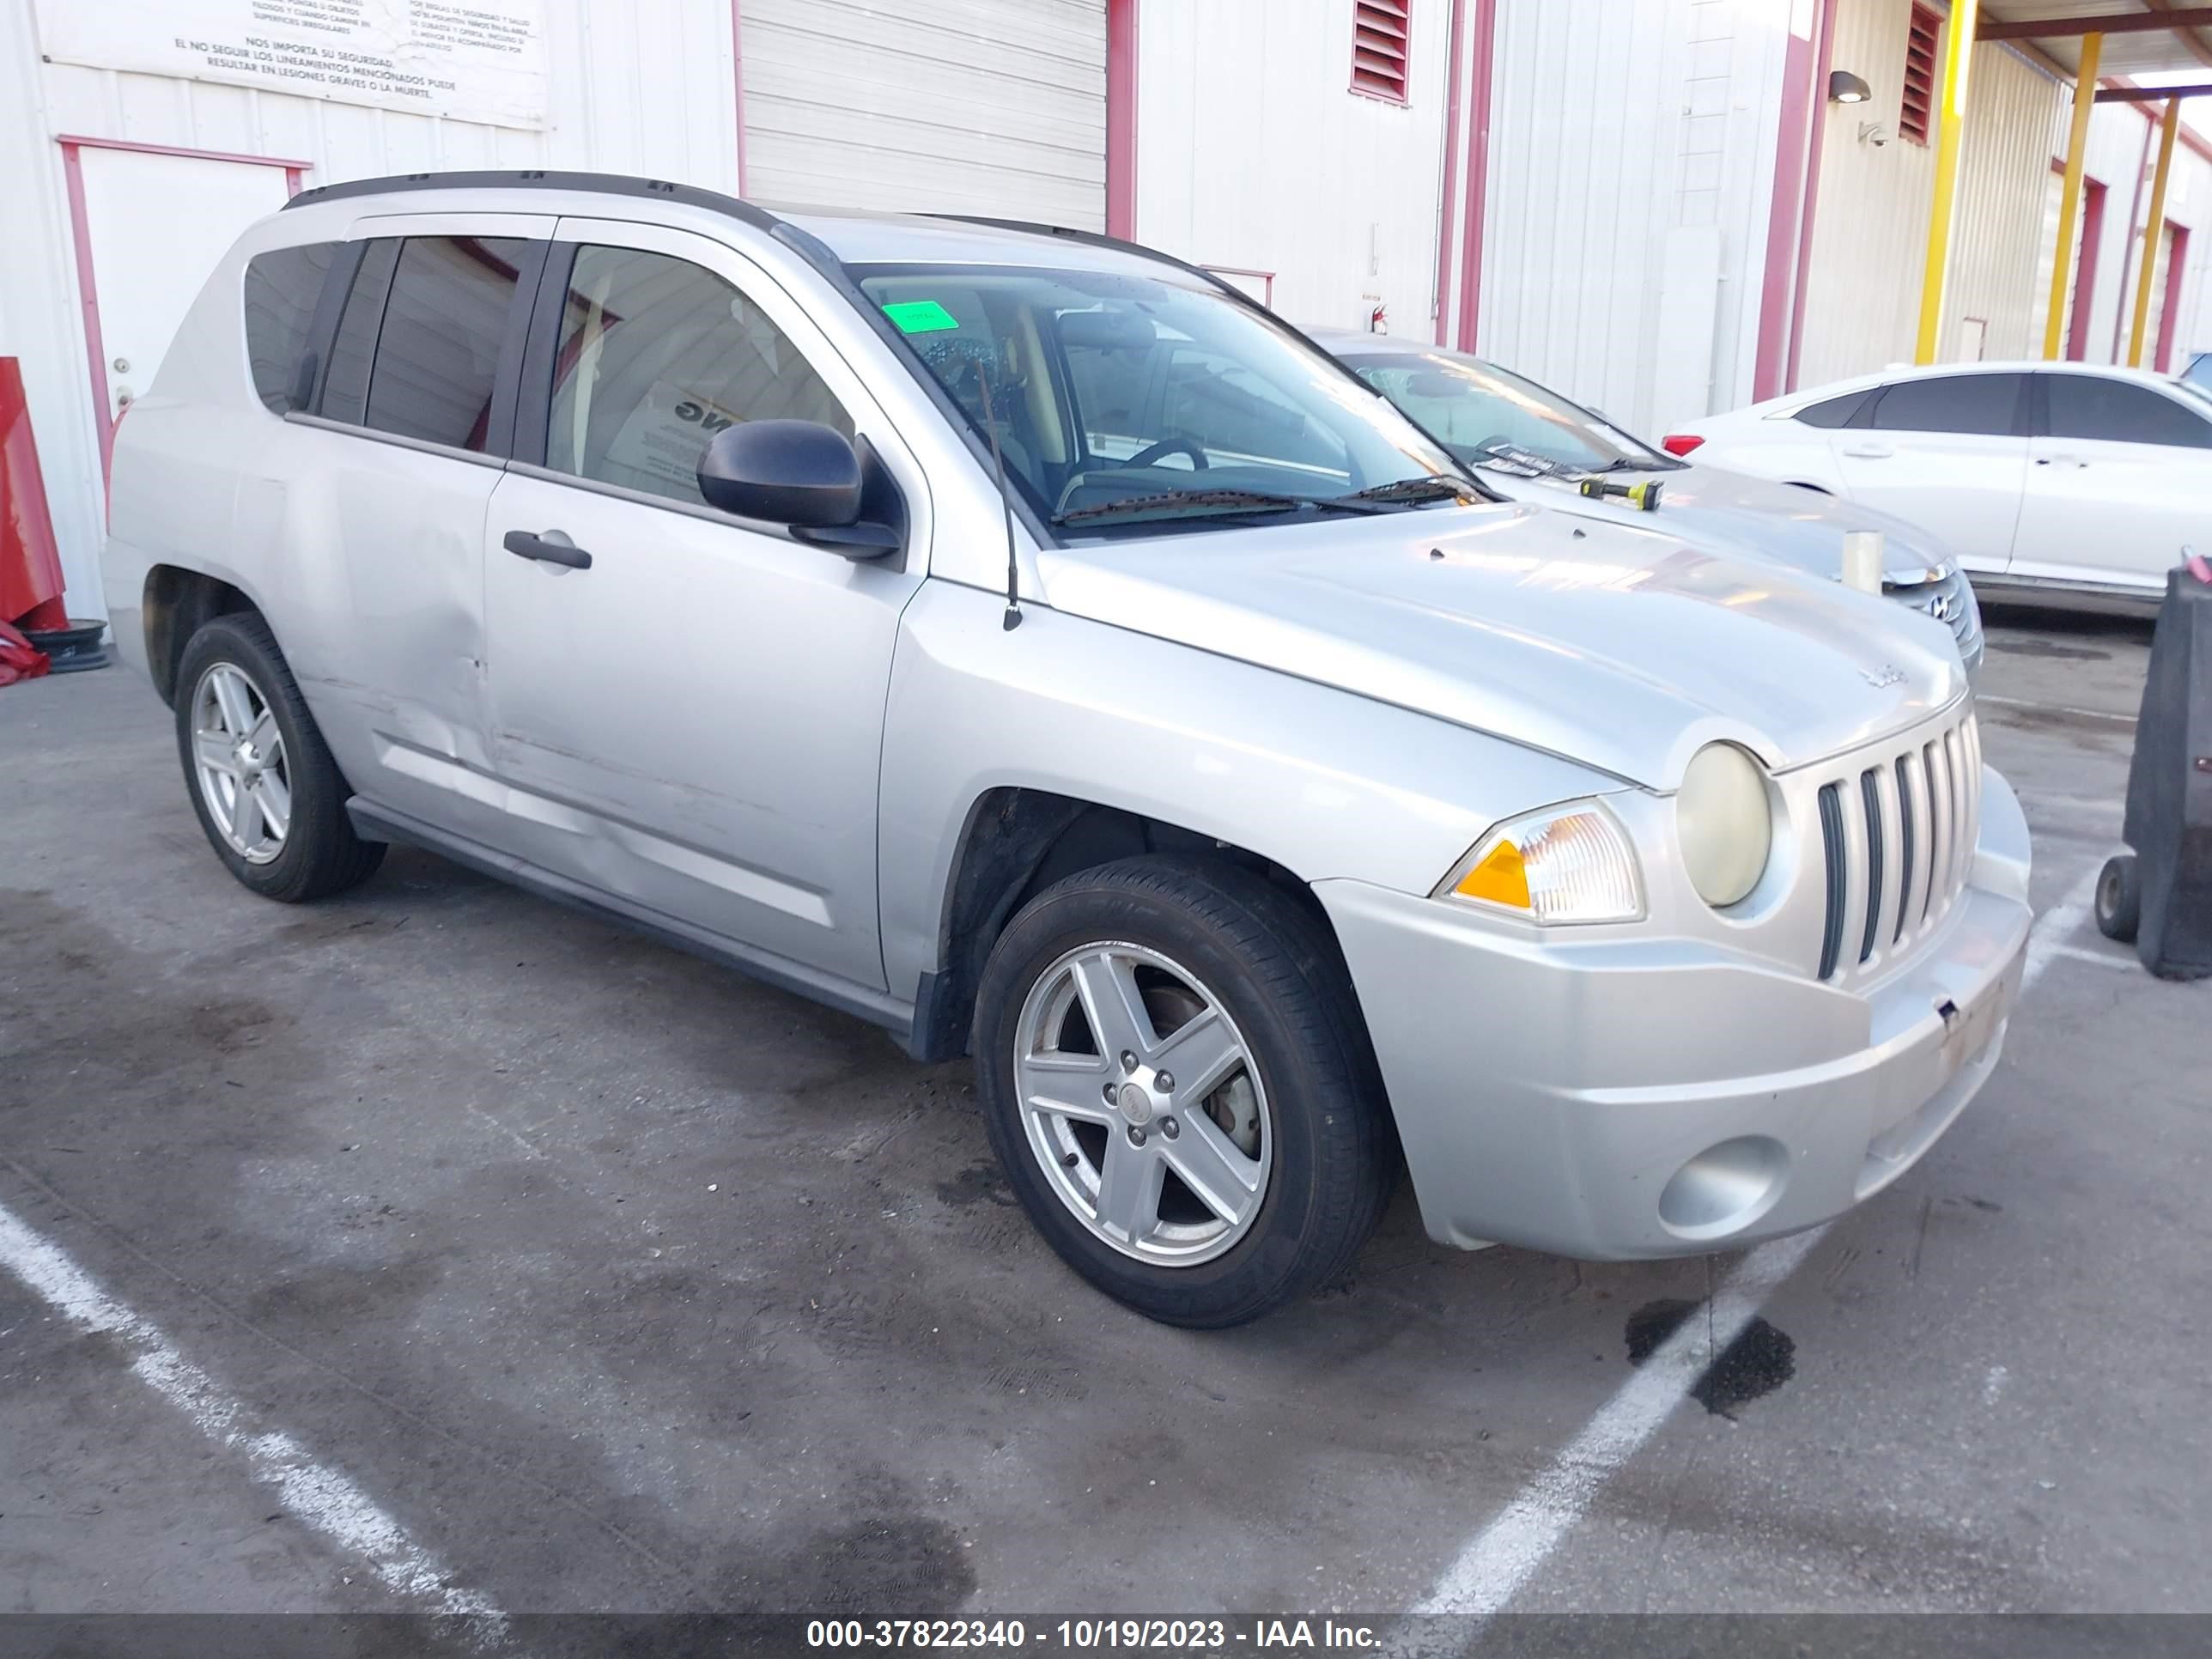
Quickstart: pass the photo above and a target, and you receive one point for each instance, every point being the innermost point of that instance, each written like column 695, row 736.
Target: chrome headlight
column 1571, row 863
column 1724, row 823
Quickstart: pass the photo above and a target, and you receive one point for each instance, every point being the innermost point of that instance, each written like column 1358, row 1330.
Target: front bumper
column 1628, row 1098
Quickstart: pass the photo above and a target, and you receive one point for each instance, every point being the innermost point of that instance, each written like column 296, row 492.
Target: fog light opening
column 1726, row 1188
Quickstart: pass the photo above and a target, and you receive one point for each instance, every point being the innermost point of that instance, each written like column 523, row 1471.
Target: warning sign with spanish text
column 468, row 60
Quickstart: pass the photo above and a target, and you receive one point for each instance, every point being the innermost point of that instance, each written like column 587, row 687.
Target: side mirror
column 799, row 473
column 802, row 474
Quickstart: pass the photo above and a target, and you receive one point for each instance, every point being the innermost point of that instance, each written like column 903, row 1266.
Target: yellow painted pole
column 2069, row 209
column 1958, row 59
column 2155, row 232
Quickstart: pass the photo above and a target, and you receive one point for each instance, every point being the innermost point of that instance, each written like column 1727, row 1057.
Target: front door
column 1948, row 453
column 2118, row 480
column 692, row 723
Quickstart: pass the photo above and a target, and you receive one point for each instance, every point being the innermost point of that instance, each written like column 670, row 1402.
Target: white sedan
column 2062, row 478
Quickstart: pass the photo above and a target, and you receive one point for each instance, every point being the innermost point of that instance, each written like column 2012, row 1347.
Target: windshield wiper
column 1178, row 503
column 1407, row 492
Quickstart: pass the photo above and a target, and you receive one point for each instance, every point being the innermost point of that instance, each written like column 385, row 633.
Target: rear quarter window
column 1834, row 411
column 282, row 289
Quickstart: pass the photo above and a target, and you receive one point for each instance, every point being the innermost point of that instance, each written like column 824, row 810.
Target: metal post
column 1957, row 60
column 2069, row 210
column 2154, row 232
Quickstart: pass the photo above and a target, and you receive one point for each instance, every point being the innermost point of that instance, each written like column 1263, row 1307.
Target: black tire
column 2119, row 898
column 320, row 854
column 1278, row 975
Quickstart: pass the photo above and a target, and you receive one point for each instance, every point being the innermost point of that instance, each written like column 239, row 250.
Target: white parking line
column 2102, row 958
column 313, row 1492
column 2066, row 709
column 1499, row 1559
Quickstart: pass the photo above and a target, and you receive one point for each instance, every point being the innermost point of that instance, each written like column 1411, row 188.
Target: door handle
column 524, row 545
column 1869, row 453
column 2060, row 461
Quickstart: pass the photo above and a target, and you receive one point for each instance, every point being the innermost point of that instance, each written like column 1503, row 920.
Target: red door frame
column 1478, row 173
column 73, row 146
column 1797, row 137
column 1801, row 280
column 1448, row 224
column 2177, row 268
column 1121, row 118
column 2085, row 268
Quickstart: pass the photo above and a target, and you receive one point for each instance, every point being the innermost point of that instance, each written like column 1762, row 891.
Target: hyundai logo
column 1944, row 607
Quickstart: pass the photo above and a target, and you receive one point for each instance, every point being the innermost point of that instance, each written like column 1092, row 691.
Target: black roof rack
column 603, row 184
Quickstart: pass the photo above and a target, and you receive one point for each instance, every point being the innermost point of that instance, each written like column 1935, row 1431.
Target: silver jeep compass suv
column 1255, row 798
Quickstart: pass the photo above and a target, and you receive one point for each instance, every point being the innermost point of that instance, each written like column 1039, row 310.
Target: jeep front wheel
column 1176, row 1080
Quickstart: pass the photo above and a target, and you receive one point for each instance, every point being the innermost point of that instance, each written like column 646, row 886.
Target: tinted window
column 1487, row 415
column 656, row 357
column 2086, row 406
column 2199, row 371
column 437, row 349
column 1836, row 411
column 1229, row 410
column 282, row 288
column 345, row 384
column 1984, row 404
column 1113, row 384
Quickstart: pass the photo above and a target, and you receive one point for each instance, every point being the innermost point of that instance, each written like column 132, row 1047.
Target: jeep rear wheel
column 1177, row 1081
column 268, row 793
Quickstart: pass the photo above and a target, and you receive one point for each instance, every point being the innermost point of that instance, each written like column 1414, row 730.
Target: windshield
column 1120, row 401
column 1488, row 417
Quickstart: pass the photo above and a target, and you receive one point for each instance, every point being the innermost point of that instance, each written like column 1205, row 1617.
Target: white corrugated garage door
column 995, row 106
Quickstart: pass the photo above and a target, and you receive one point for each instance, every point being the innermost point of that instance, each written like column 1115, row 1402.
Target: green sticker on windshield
column 920, row 316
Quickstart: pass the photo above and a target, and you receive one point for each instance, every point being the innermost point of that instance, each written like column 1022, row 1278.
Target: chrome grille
column 1898, row 831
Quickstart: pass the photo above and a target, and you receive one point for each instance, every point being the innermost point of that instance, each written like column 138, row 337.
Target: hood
column 1622, row 648
column 1727, row 510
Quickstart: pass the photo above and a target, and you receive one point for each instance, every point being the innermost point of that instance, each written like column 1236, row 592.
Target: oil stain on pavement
column 1761, row 1359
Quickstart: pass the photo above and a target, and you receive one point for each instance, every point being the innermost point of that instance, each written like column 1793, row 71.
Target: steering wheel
column 1152, row 454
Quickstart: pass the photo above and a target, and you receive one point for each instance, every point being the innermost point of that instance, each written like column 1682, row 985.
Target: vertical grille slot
column 1832, row 841
column 1871, row 794
column 1955, row 760
column 1937, row 770
column 1907, row 868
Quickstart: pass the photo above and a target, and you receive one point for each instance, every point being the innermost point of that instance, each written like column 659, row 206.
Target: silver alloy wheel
column 1142, row 1104
column 238, row 758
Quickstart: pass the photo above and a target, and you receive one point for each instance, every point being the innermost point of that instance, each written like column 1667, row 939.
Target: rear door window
column 281, row 291
column 2089, row 406
column 1987, row 406
column 345, row 386
column 417, row 349
column 437, row 354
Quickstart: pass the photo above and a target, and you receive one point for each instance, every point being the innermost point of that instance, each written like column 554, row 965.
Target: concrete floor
column 618, row 1282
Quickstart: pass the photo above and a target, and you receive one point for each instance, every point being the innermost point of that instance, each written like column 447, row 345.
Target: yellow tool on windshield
column 1644, row 497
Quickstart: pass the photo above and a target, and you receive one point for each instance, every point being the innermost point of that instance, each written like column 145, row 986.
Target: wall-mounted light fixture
column 1845, row 87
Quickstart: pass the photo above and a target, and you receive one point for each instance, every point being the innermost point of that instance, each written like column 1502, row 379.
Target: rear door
column 692, row 725
column 375, row 509
column 1948, row 453
column 2119, row 478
